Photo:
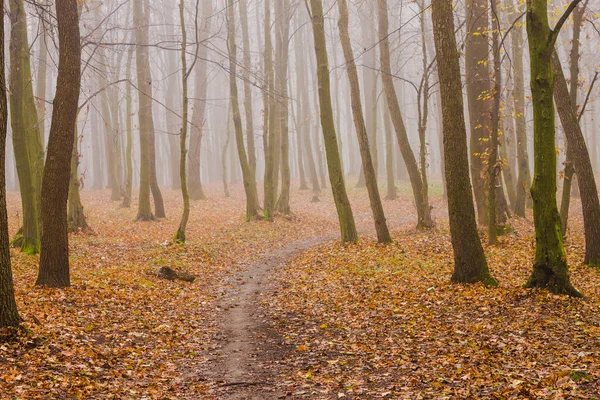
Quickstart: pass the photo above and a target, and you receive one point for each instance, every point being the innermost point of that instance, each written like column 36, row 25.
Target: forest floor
column 282, row 310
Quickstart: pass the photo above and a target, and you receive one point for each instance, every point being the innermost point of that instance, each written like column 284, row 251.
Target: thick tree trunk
column 582, row 162
column 478, row 89
column 383, row 234
column 470, row 264
column 550, row 269
column 248, row 88
column 9, row 315
column 249, row 184
column 144, row 84
column 28, row 148
column 423, row 210
column 54, row 257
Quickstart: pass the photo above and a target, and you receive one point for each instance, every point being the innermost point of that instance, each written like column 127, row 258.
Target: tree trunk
column 28, row 148
column 144, row 84
column 40, row 91
column 9, row 315
column 470, row 264
column 569, row 161
column 336, row 176
column 392, row 192
column 75, row 217
column 478, row 89
column 582, row 162
column 54, row 258
column 281, row 71
column 129, row 127
column 383, row 234
column 494, row 167
column 518, row 95
column 180, row 234
column 271, row 109
column 249, row 184
column 423, row 210
column 550, row 269
column 199, row 113
column 248, row 88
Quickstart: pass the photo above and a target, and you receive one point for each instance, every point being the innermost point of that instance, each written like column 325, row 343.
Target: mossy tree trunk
column 271, row 130
column 550, row 268
column 383, row 234
column 336, row 176
column 581, row 158
column 249, row 184
column 423, row 209
column 28, row 148
column 54, row 256
column 9, row 315
column 470, row 264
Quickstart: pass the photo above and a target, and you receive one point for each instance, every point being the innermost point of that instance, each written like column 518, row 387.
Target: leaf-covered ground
column 120, row 331
column 368, row 321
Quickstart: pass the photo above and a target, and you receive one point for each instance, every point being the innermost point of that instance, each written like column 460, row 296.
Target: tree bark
column 54, row 257
column 336, row 176
column 9, row 315
column 583, row 165
column 470, row 264
column 28, row 148
column 550, row 269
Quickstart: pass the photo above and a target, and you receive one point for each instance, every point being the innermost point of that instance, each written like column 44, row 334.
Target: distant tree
column 470, row 264
column 54, row 258
column 75, row 216
column 9, row 315
column 336, row 176
column 383, row 234
column 550, row 268
column 27, row 141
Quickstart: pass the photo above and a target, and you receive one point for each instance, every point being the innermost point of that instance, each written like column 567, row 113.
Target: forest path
column 248, row 351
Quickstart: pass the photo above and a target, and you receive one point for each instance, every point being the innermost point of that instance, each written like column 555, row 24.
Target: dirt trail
column 248, row 351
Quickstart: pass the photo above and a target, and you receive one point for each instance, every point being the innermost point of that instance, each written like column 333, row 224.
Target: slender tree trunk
column 569, row 174
column 28, row 148
column 249, row 184
column 478, row 89
column 587, row 184
column 248, row 88
column 518, row 95
column 199, row 105
column 494, row 167
column 224, row 153
column 271, row 109
column 383, row 234
column 423, row 210
column 180, row 235
column 392, row 192
column 54, row 257
column 550, row 269
column 304, row 115
column 336, row 176
column 424, row 112
column 470, row 264
column 9, row 315
column 41, row 79
column 129, row 127
column 283, row 33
